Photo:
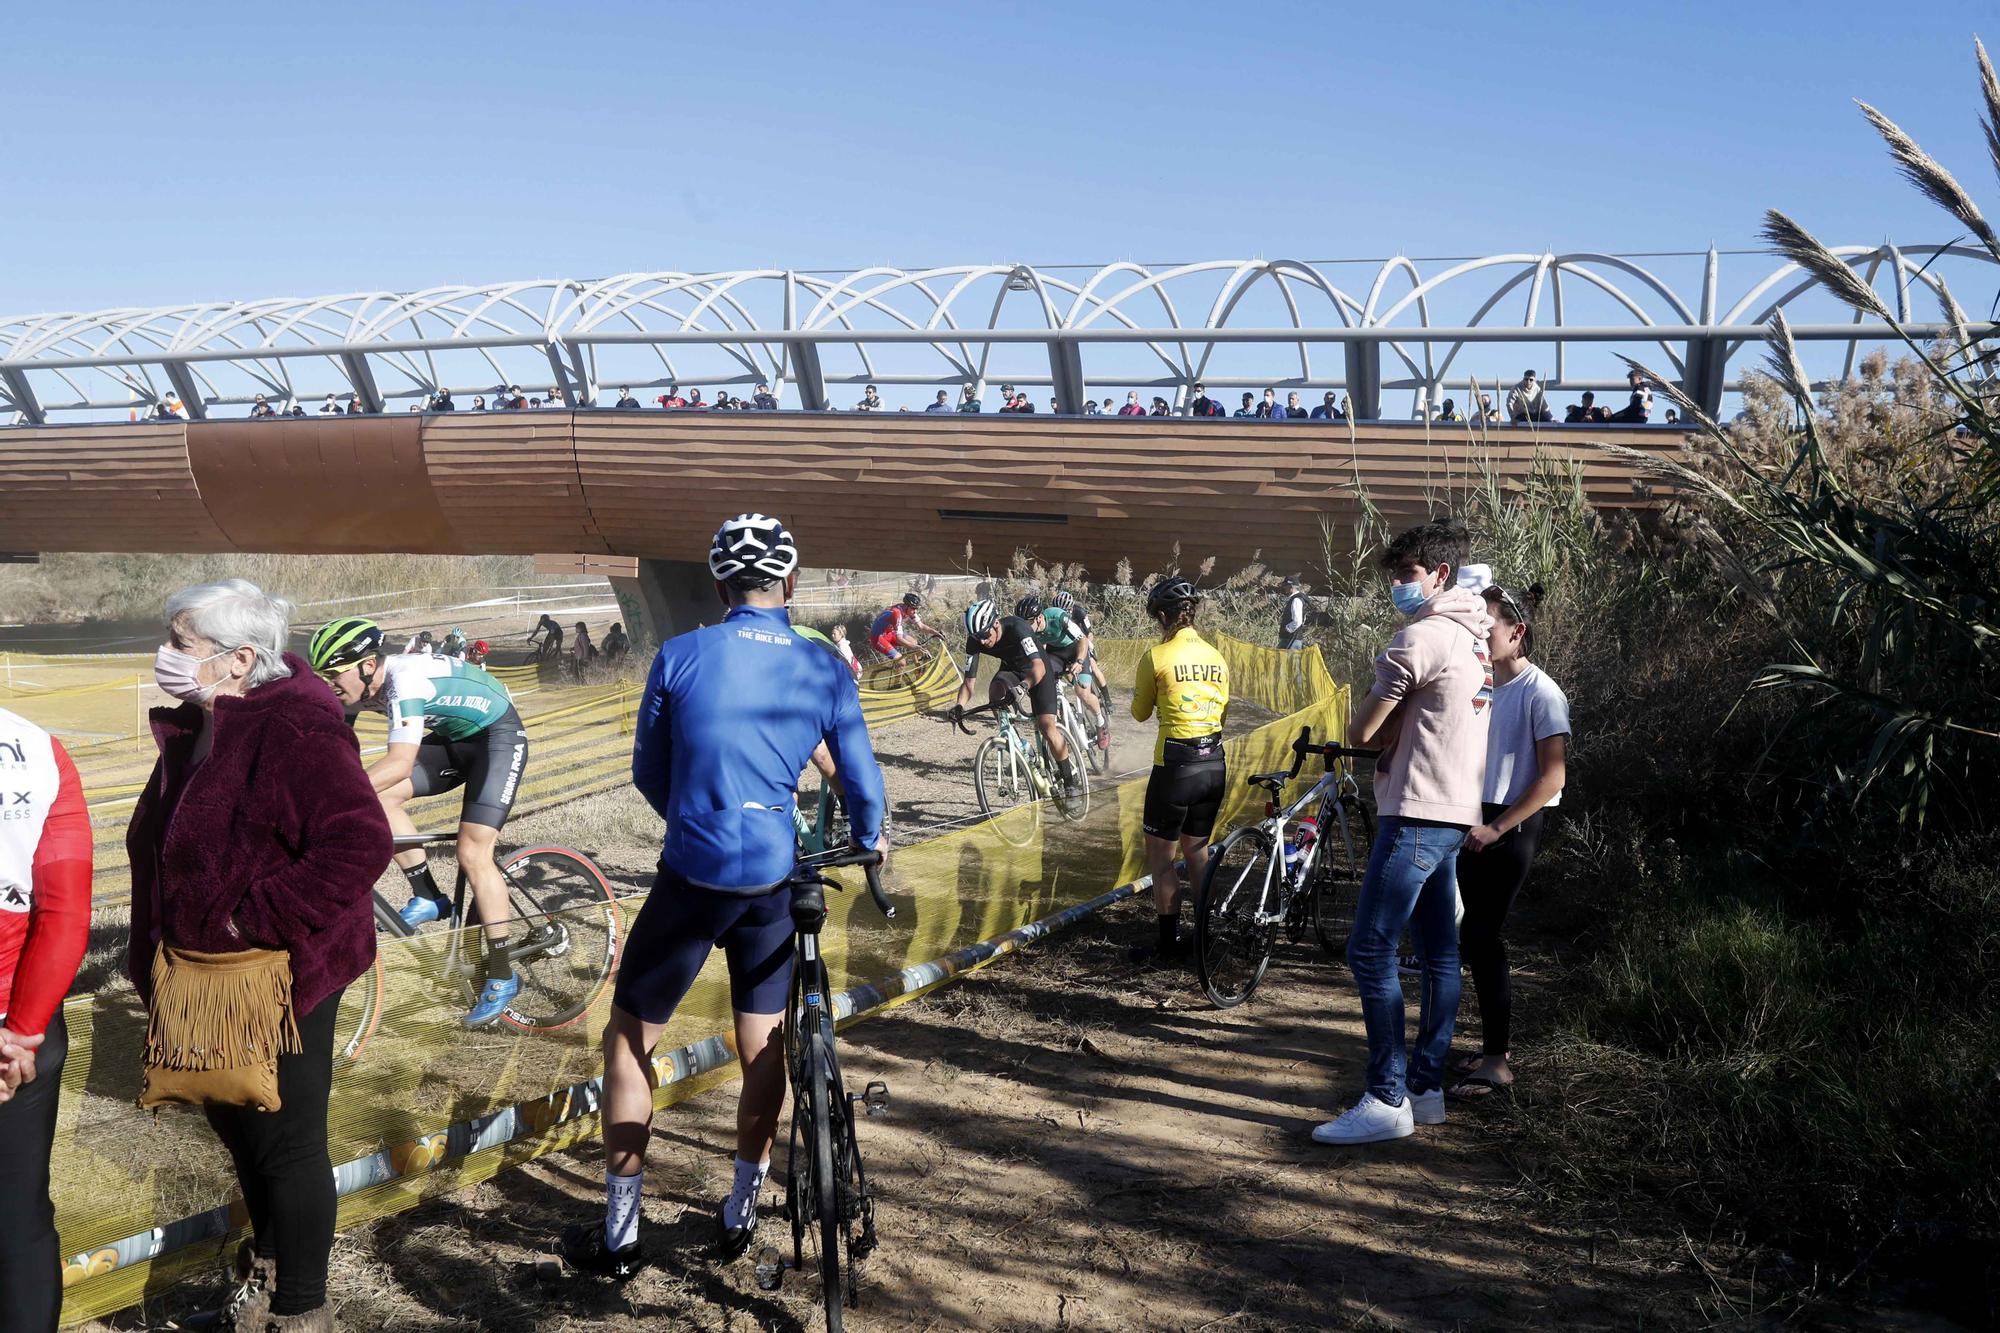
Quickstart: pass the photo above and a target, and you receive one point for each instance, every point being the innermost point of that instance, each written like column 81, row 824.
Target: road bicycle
column 826, row 1189
column 566, row 932
column 1082, row 728
column 1284, row 872
column 883, row 674
column 1014, row 768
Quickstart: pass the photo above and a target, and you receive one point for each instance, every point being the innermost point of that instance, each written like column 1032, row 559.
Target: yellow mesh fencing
column 427, row 1106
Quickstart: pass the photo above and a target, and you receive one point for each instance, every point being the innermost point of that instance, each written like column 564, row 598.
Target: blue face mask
column 1408, row 597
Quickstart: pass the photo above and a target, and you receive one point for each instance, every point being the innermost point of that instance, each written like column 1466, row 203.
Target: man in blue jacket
column 730, row 717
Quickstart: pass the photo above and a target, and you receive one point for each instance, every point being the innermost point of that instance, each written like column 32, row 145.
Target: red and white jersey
column 44, row 872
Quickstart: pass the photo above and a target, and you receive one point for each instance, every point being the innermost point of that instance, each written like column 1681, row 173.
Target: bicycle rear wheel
column 572, row 932
column 1341, row 860
column 1232, row 948
column 1001, row 781
column 1072, row 798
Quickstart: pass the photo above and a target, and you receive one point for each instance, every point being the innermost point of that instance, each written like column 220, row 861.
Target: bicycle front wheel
column 1072, row 795
column 1234, row 924
column 824, row 1219
column 1340, row 861
column 1002, row 783
column 569, row 934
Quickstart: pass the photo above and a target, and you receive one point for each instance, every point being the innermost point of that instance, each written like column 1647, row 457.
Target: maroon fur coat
column 274, row 841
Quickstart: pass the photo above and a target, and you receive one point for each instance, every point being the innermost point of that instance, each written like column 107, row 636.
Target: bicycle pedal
column 770, row 1269
column 876, row 1097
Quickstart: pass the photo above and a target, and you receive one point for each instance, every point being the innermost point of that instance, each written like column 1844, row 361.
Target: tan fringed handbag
column 219, row 1022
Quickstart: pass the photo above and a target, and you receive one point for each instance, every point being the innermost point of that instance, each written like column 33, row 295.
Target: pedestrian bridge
column 911, row 491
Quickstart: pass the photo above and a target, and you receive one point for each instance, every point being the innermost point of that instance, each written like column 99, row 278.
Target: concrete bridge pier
column 667, row 597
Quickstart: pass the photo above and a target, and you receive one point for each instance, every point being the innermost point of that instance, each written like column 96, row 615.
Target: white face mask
column 178, row 674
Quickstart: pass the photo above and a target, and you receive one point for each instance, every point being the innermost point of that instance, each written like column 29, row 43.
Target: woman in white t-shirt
column 1526, row 763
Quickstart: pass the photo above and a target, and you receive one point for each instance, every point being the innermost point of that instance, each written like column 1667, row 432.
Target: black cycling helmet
column 913, row 600
column 752, row 546
column 1169, row 595
column 1028, row 607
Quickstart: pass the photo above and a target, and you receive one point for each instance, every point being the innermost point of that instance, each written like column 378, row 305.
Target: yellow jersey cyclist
column 1012, row 642
column 1063, row 630
column 451, row 725
column 1184, row 679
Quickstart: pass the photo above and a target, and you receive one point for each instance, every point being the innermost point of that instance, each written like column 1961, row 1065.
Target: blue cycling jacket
column 730, row 718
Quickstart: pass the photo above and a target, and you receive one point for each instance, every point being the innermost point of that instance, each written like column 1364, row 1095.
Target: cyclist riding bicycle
column 552, row 645
column 450, row 725
column 730, row 716
column 1011, row 641
column 1187, row 682
column 1067, row 643
column 897, row 627
column 454, row 644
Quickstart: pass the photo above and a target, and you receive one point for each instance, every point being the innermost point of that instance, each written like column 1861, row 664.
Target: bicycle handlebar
column 808, row 868
column 958, row 715
column 1326, row 750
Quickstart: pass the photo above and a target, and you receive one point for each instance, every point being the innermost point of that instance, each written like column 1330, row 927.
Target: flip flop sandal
column 1463, row 1090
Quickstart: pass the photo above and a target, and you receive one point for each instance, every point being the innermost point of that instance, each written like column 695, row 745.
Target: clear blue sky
column 162, row 153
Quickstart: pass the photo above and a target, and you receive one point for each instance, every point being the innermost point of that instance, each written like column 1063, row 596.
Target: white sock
column 741, row 1209
column 621, row 1209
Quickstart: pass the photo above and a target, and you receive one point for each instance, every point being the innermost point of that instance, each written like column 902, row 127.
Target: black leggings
column 283, row 1167
column 1488, row 882
column 30, row 1258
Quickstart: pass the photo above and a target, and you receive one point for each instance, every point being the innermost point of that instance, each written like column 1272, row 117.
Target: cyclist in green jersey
column 451, row 725
column 1063, row 631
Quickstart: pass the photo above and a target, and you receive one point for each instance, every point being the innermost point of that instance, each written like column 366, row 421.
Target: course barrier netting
column 143, row 1201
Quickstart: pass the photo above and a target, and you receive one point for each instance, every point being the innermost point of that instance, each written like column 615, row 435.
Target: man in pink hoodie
column 1428, row 713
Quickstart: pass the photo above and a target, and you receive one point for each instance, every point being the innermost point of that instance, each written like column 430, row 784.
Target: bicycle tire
column 1001, row 783
column 373, row 990
column 1231, row 950
column 826, row 1189
column 1337, row 871
column 559, row 889
column 1072, row 800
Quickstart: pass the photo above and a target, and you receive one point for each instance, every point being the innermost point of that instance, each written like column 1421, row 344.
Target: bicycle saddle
column 808, row 907
column 1274, row 781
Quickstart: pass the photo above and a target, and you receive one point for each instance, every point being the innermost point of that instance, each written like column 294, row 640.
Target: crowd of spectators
column 1527, row 402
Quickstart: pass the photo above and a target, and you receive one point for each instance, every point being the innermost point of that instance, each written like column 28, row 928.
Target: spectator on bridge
column 1161, row 407
column 267, row 858
column 354, row 407
column 262, row 407
column 870, row 401
column 553, row 396
column 671, row 399
column 1132, row 408
column 694, row 403
column 479, row 402
column 173, row 409
column 1090, row 408
column 1487, row 412
column 516, row 400
column 1585, row 411
column 1673, row 417
column 1448, row 411
column 1203, row 405
column 1269, row 409
column 1007, row 398
column 1294, row 410
column 441, row 401
column 764, row 400
column 1055, row 407
column 298, row 410
column 723, row 402
column 1640, row 409
column 1527, row 402
column 1249, row 408
column 1328, row 409
column 625, row 398
column 970, row 402
column 1023, row 403
column 1107, row 409
column 330, row 408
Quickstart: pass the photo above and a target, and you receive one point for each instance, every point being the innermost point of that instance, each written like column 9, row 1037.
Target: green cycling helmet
column 342, row 643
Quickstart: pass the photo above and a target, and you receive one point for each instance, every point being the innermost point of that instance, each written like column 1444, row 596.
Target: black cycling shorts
column 488, row 765
column 682, row 924
column 1184, row 795
column 1041, row 697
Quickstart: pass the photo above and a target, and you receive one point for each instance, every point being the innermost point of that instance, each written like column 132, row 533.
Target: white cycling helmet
column 1064, row 601
column 754, row 544
column 980, row 618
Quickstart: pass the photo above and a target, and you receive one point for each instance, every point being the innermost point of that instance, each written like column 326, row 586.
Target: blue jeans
column 1411, row 881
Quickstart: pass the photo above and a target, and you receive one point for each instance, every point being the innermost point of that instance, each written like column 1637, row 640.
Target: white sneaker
column 1370, row 1120
column 1427, row 1108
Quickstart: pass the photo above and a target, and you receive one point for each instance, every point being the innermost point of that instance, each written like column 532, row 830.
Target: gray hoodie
column 1436, row 667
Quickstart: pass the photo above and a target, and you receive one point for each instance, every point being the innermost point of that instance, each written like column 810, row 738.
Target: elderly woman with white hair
column 254, row 849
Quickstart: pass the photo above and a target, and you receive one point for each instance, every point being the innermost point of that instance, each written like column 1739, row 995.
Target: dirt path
column 1071, row 1145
